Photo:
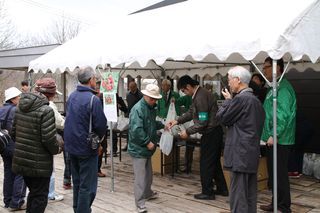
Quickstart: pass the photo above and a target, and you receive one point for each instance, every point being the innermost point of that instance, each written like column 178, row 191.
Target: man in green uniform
column 286, row 126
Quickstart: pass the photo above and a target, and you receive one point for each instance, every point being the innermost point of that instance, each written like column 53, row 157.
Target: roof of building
column 19, row 58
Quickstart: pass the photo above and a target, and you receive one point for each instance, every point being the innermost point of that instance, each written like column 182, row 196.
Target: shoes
column 142, row 209
column 23, row 207
column 204, row 197
column 100, row 174
column 294, row 175
column 153, row 196
column 125, row 148
column 221, row 192
column 56, row 198
column 115, row 154
column 267, row 208
column 185, row 170
column 67, row 186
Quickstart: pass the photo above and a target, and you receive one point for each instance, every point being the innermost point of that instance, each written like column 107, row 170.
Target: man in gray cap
column 82, row 106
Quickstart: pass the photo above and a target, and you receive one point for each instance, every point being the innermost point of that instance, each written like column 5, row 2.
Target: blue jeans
column 85, row 180
column 67, row 168
column 14, row 188
column 52, row 192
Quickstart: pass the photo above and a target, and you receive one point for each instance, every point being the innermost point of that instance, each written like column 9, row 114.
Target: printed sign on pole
column 109, row 88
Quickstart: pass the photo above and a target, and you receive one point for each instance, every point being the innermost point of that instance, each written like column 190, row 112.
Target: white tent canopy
column 195, row 30
column 229, row 31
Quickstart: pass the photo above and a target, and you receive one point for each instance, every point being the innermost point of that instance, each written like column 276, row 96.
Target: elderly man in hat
column 84, row 106
column 48, row 87
column 142, row 144
column 34, row 129
column 14, row 188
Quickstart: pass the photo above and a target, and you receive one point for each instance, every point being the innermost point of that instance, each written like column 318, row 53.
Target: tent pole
column 111, row 157
column 64, row 80
column 111, row 146
column 257, row 68
column 275, row 140
column 30, row 81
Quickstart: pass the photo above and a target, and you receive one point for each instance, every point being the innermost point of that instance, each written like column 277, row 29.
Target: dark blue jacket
column 8, row 152
column 3, row 113
column 76, row 128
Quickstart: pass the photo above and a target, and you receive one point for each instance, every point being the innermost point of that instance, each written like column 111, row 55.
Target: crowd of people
column 39, row 132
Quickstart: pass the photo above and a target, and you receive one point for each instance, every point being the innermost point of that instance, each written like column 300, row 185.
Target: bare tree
column 7, row 29
column 63, row 30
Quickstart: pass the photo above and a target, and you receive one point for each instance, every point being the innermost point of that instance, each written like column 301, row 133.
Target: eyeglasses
column 266, row 67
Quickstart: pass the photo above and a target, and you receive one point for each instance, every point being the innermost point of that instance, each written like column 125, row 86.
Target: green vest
column 164, row 103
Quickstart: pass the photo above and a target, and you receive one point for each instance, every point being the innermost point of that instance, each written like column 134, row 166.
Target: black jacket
column 133, row 98
column 244, row 116
column 34, row 131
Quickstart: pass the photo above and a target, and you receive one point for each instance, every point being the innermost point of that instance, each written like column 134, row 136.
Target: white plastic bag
column 166, row 140
column 307, row 164
column 123, row 123
column 112, row 125
column 316, row 166
column 187, row 125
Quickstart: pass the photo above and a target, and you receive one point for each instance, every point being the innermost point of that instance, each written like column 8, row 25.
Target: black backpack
column 5, row 137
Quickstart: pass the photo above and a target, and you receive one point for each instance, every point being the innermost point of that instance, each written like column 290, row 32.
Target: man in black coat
column 133, row 96
column 244, row 116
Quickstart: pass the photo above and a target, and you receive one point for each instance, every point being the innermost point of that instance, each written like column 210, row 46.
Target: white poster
column 110, row 106
column 109, row 87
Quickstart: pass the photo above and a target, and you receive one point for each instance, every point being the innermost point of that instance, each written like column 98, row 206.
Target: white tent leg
column 111, row 154
column 275, row 140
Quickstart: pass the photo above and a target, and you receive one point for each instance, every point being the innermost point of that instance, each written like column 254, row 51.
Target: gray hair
column 240, row 72
column 85, row 74
column 166, row 81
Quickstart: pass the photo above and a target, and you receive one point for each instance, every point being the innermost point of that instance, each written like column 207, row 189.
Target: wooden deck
column 175, row 194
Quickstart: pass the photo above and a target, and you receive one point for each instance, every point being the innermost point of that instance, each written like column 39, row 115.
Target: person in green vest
column 286, row 128
column 168, row 96
column 184, row 101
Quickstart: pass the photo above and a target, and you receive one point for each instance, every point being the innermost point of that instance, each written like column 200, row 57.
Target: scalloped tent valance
column 196, row 30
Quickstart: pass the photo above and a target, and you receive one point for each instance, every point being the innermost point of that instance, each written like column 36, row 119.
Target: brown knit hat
column 47, row 86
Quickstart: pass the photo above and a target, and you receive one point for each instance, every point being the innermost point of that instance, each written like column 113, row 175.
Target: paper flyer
column 109, row 82
column 109, row 88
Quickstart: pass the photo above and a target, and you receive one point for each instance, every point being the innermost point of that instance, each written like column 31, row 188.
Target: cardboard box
column 166, row 162
column 262, row 174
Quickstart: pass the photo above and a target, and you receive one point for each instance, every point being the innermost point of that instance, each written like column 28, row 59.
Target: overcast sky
column 37, row 15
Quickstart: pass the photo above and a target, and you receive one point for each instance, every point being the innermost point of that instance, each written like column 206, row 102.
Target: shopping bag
column 123, row 124
column 166, row 140
column 186, row 126
column 308, row 164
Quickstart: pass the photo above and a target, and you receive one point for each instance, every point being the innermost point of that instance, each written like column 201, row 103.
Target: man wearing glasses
column 286, row 124
column 243, row 114
column 203, row 113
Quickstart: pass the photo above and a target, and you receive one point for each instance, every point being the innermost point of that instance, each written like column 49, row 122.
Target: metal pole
column 30, row 81
column 275, row 141
column 111, row 154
